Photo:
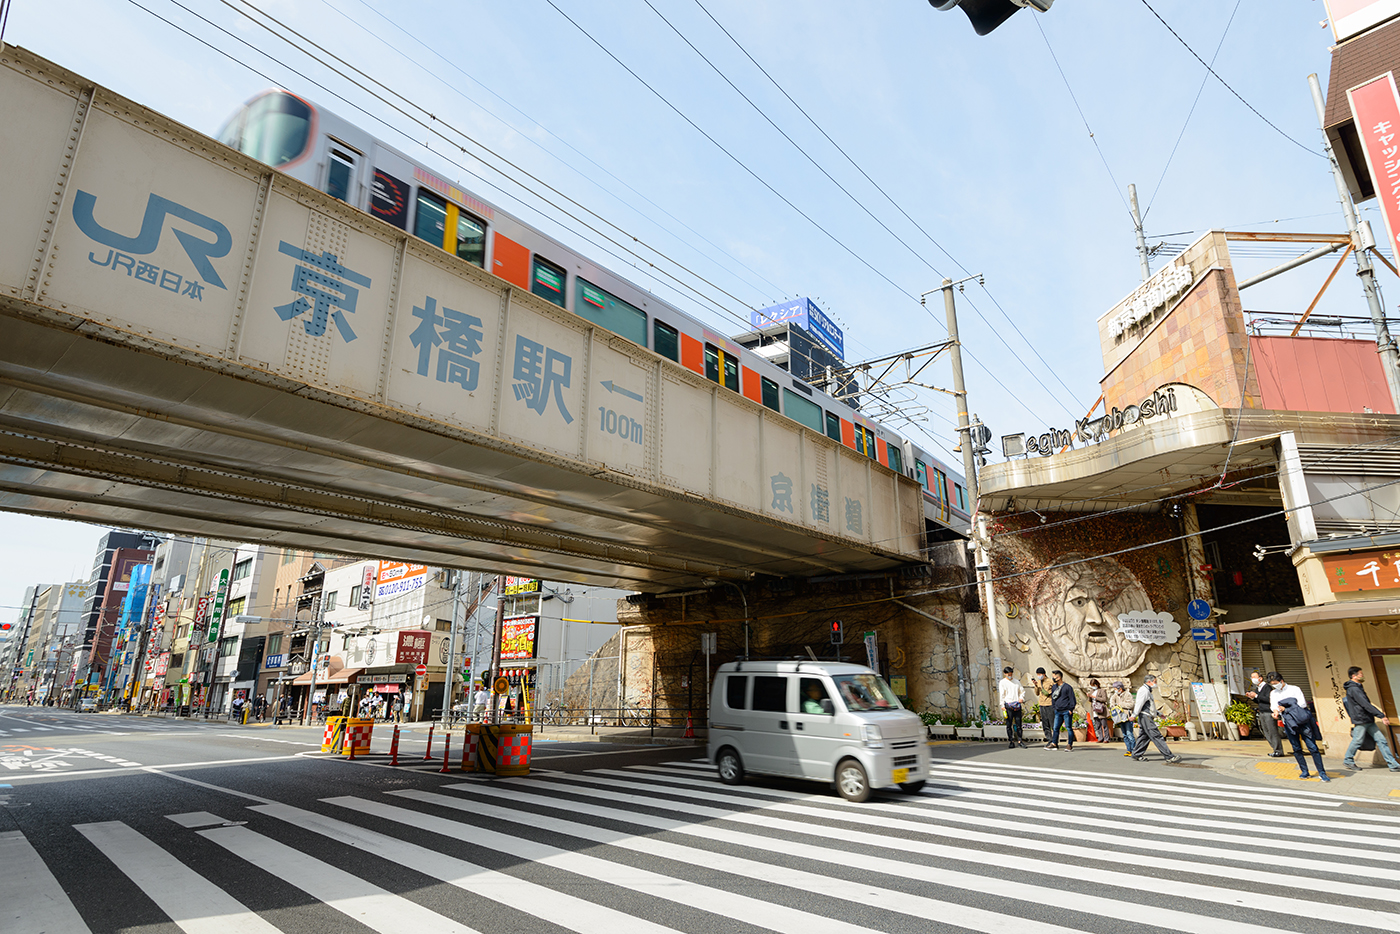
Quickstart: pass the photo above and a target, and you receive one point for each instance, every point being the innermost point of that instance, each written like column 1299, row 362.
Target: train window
column 833, row 427
column 870, row 444
column 712, row 363
column 471, row 238
column 611, row 312
column 921, row 473
column 731, row 371
column 721, row 367
column 666, row 340
column 430, row 219
column 962, row 496
column 896, row 461
column 940, row 485
column 275, row 129
column 770, row 393
column 548, row 281
column 340, row 174
column 803, row 411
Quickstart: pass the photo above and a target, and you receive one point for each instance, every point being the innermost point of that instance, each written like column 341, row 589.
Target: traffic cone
column 689, row 726
column 394, row 747
column 446, row 751
column 428, row 756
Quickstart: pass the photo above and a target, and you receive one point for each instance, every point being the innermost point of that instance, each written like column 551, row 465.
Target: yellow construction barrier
column 471, row 743
column 361, row 732
column 504, row 748
column 333, row 739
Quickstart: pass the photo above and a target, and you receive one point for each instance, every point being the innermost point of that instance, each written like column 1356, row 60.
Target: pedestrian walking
column 1120, row 710
column 1264, row 714
column 1298, row 724
column 1041, row 681
column 1145, row 712
column 1063, row 702
column 1013, row 696
column 1098, row 709
column 1364, row 715
column 479, row 700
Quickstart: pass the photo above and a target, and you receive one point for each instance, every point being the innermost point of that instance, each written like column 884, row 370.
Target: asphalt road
column 124, row 824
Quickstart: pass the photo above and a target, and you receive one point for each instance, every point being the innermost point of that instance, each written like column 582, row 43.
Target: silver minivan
column 825, row 721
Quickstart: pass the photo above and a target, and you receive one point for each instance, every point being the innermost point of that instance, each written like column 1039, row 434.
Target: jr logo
column 200, row 251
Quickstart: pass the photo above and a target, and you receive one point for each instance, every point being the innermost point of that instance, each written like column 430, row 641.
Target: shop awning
column 1301, row 616
column 339, row 676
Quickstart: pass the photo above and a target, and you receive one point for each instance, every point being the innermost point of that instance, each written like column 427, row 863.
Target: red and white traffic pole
column 394, row 747
column 427, row 756
column 446, row 751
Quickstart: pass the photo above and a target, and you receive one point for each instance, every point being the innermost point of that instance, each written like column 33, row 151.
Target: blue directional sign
column 1205, row 634
column 1198, row 609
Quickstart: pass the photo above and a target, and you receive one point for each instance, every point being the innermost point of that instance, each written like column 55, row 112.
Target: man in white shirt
column 1012, row 699
column 1281, row 689
column 1145, row 711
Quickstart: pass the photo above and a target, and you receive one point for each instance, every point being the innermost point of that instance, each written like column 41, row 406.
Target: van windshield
column 866, row 692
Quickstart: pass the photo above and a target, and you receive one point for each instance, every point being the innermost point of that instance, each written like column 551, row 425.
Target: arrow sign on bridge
column 610, row 387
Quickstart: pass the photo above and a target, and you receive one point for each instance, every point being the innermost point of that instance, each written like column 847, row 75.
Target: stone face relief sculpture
column 1074, row 612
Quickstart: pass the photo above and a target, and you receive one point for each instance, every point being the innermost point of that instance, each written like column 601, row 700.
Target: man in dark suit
column 1263, row 714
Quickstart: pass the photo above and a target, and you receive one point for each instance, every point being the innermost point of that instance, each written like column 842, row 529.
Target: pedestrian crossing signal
column 838, row 633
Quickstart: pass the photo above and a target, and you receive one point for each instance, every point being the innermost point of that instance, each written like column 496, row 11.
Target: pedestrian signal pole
column 838, row 636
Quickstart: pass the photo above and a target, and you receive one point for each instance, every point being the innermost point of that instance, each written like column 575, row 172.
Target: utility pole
column 450, row 687
column 1390, row 356
column 960, row 393
column 315, row 633
column 1141, row 240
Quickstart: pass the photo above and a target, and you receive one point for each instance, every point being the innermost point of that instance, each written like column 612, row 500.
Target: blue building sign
column 805, row 314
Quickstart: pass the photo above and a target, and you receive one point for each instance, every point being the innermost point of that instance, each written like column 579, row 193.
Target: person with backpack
column 1298, row 723
column 1063, row 702
column 1364, row 715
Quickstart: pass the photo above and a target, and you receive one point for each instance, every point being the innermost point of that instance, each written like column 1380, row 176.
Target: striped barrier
column 333, row 739
column 359, row 731
column 470, row 742
column 504, row 749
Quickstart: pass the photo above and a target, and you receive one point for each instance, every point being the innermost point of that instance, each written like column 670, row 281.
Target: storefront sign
column 396, row 578
column 162, row 664
column 413, row 647
column 1151, row 628
column 1166, row 285
column 216, row 609
column 514, row 585
column 1161, row 402
column 274, row 661
column 387, row 679
column 518, row 637
column 1209, row 701
column 201, row 609
column 1376, row 109
column 367, row 587
column 1363, row 571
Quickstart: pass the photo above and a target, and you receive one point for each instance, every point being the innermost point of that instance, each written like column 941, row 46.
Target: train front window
column 611, row 312
column 430, row 220
column 471, row 239
column 276, row 129
column 548, row 281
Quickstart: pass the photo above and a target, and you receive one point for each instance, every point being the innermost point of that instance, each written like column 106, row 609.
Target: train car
column 307, row 142
column 946, row 500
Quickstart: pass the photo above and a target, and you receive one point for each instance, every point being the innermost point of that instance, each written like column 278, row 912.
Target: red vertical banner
column 1375, row 107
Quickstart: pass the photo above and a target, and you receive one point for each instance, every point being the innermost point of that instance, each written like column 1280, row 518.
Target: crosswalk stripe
column 1036, row 826
column 352, row 896
column 1257, row 791
column 1268, row 812
column 30, row 897
column 1210, row 894
column 972, row 918
column 195, row 904
column 570, row 912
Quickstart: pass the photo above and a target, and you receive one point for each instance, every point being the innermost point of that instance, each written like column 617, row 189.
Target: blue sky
column 977, row 139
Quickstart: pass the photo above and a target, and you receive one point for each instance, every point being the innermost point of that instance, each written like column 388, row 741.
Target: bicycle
column 636, row 715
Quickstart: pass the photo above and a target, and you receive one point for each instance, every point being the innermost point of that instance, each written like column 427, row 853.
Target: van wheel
column 731, row 769
column 852, row 782
column 912, row 788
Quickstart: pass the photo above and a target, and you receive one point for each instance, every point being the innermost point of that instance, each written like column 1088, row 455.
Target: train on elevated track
column 307, row 142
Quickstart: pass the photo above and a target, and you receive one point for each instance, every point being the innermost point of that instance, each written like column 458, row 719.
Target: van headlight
column 871, row 735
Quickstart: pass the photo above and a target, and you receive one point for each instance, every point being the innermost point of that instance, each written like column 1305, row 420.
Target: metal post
column 315, row 653
column 1390, row 355
column 449, row 687
column 493, row 713
column 1141, row 240
column 960, row 394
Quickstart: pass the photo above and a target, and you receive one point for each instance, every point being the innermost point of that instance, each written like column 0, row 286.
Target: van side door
column 768, row 740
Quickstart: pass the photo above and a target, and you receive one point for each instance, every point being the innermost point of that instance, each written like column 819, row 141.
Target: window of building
column 548, row 281
column 235, row 607
column 833, row 426
column 444, row 625
column 242, row 569
column 471, row 238
column 770, row 393
column 274, row 643
column 288, row 555
column 227, row 646
column 355, row 596
column 430, row 220
column 802, row 411
column 330, row 600
column 176, row 659
column 607, row 310
column 666, row 340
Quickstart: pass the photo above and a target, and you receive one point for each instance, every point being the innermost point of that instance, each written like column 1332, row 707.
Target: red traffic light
column 838, row 634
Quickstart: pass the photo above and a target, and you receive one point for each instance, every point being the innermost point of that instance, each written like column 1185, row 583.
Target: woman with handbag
column 1098, row 709
column 1120, row 709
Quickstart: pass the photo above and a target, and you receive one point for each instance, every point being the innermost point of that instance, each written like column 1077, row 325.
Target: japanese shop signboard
column 1376, row 109
column 397, row 578
column 518, row 637
column 1363, row 571
column 413, row 647
column 514, row 585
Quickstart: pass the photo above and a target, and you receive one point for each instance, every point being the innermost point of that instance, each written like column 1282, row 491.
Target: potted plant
column 968, row 730
column 1030, row 724
column 995, row 729
column 1171, row 727
column 937, row 729
column 1241, row 715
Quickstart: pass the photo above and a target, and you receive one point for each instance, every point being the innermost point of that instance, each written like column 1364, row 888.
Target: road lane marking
column 30, row 897
column 195, row 904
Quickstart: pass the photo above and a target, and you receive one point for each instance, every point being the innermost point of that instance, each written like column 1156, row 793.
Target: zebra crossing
column 27, row 726
column 989, row 847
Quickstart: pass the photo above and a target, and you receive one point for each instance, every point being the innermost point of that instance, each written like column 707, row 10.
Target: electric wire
column 1227, row 86
column 1187, row 122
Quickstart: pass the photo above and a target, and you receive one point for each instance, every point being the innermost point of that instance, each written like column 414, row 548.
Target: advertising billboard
column 367, row 587
column 805, row 314
column 1353, row 17
column 1375, row 107
column 518, row 637
column 397, row 578
column 514, row 585
column 412, row 648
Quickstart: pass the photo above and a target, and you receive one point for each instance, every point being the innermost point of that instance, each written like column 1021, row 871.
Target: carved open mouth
column 1096, row 635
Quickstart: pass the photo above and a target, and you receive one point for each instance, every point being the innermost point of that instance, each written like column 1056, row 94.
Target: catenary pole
column 1365, row 271
column 1141, row 240
column 960, row 395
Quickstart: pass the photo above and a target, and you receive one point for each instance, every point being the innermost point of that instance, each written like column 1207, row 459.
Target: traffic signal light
column 838, row 633
column 987, row 15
